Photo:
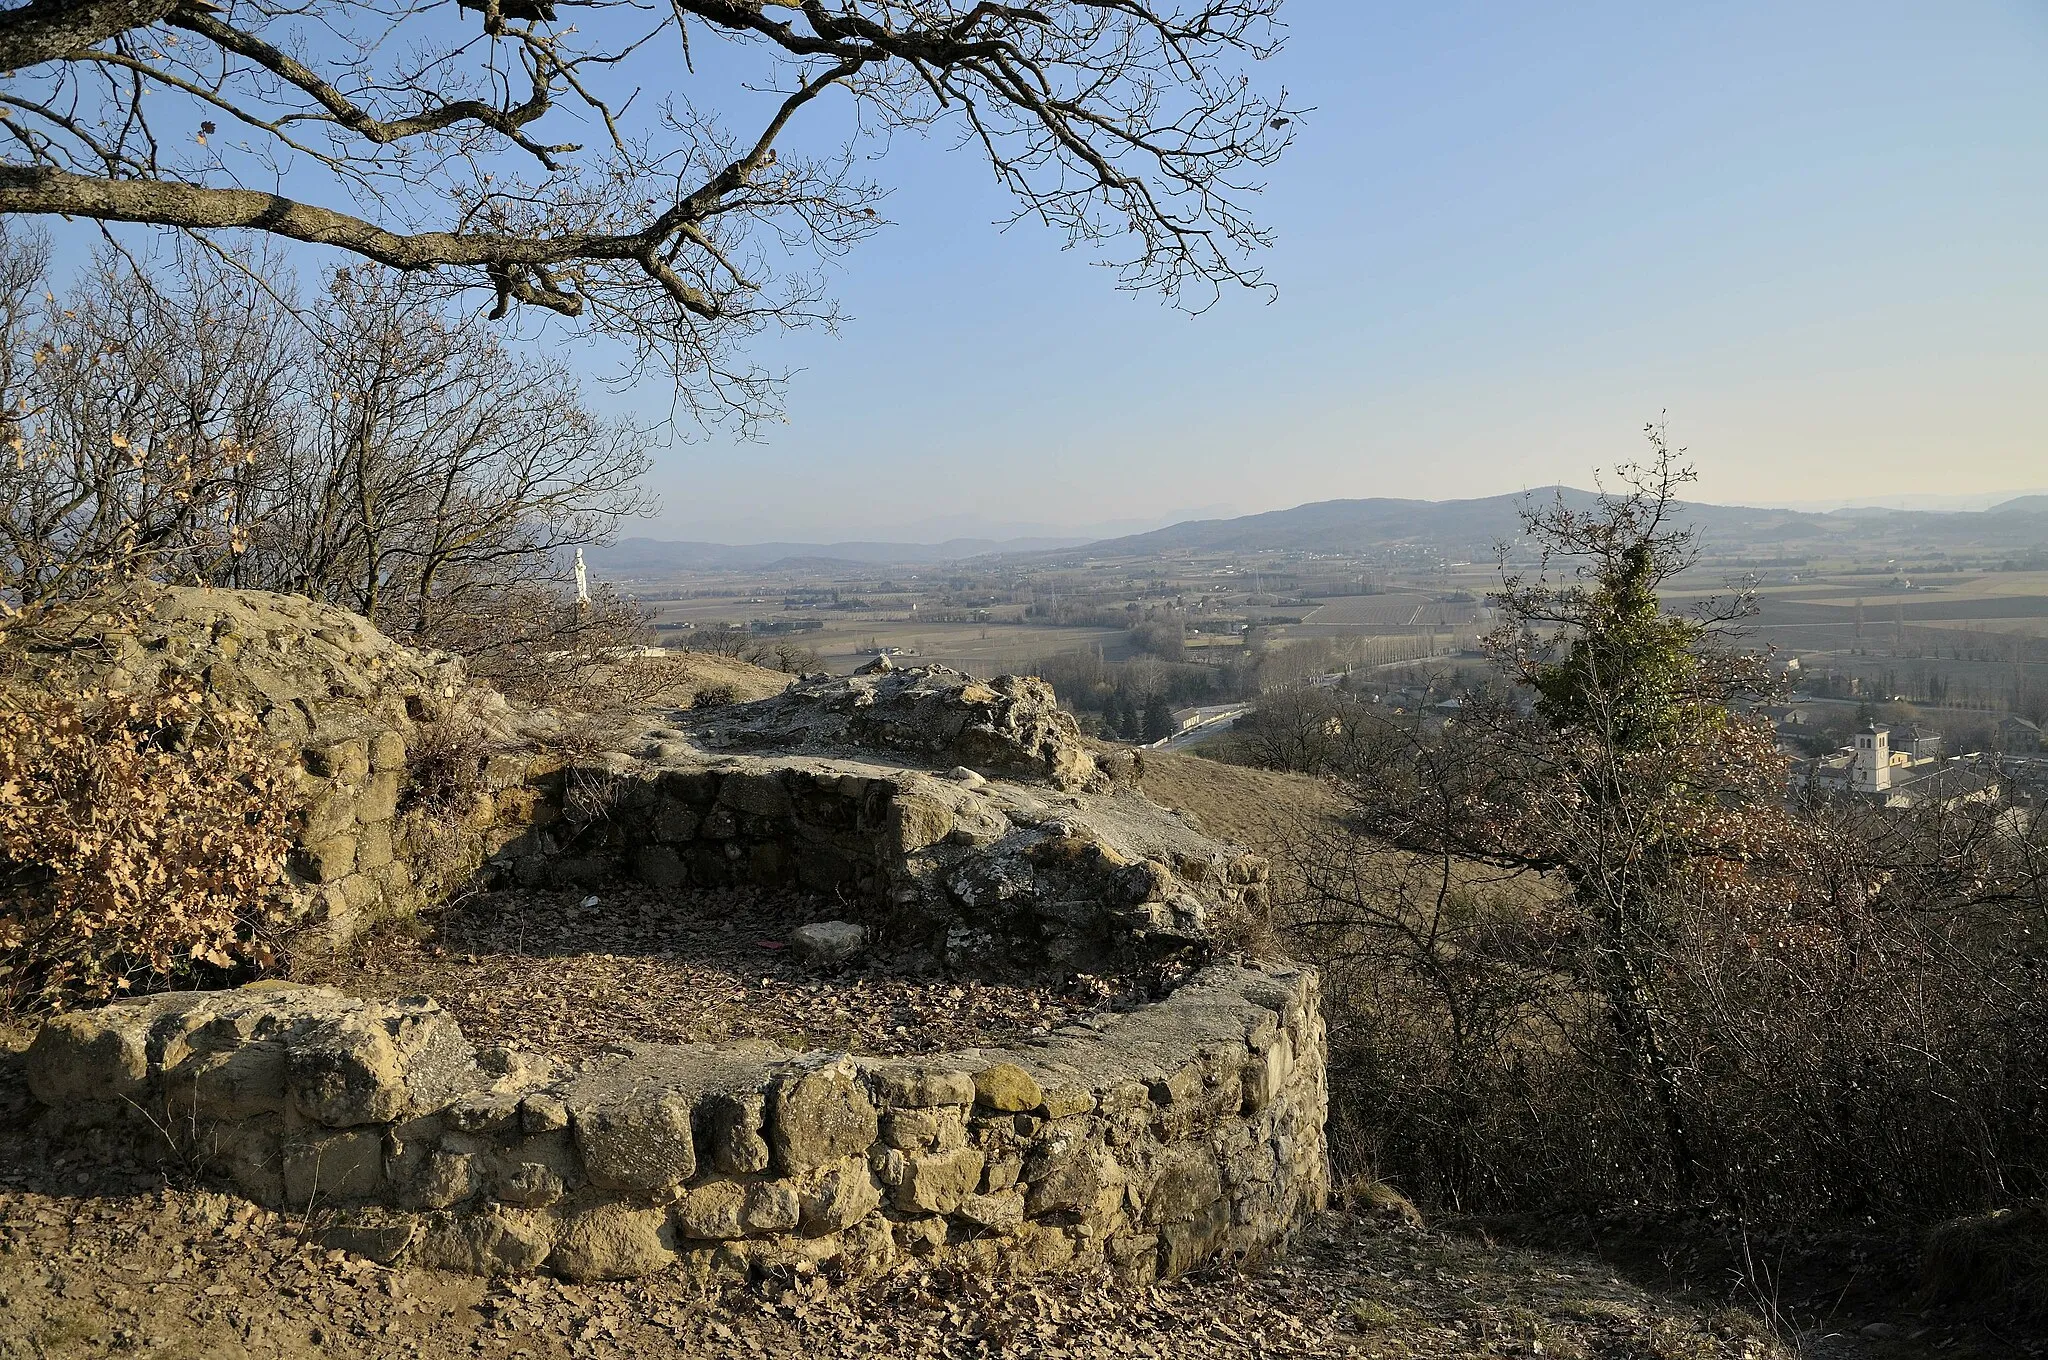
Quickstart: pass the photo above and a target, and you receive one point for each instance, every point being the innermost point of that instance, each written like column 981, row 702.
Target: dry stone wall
column 352, row 704
column 984, row 869
column 1146, row 1141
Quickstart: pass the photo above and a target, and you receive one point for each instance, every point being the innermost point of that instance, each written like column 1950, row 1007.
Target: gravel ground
column 566, row 973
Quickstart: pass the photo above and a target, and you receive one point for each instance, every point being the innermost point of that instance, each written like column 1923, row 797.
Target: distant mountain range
column 1471, row 528
column 1460, row 529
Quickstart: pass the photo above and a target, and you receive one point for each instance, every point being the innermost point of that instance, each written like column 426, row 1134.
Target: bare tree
column 554, row 155
column 182, row 425
column 131, row 419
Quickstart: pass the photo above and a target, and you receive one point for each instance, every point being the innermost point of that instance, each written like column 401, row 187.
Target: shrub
column 715, row 696
column 142, row 842
column 444, row 790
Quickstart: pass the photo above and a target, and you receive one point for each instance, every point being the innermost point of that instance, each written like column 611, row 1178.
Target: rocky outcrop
column 1146, row 1141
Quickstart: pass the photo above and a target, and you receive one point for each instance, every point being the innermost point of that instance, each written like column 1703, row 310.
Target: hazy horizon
column 1506, row 240
column 942, row 529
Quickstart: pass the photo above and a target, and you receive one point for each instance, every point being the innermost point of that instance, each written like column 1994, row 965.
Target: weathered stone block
column 90, row 1055
column 346, row 761
column 771, row 1207
column 636, row 1140
column 613, row 1242
column 379, row 1235
column 834, row 1196
column 528, row 1185
column 732, row 1126
column 828, row 942
column 252, row 1154
column 937, row 1129
column 326, row 861
column 1187, row 1244
column 372, row 1063
column 1036, row 1248
column 498, row 1241
column 999, row 1213
column 1007, row 1087
column 387, row 751
column 1185, row 1184
column 1002, row 1173
column 907, row 1087
column 818, row 1116
column 919, row 1236
column 373, row 846
column 236, row 1084
column 757, row 795
column 329, row 813
column 1075, row 1176
column 712, row 1211
column 674, row 820
column 543, row 1112
column 659, row 867
column 916, row 820
column 378, row 802
column 325, row 1167
column 447, row 1179
column 936, row 1182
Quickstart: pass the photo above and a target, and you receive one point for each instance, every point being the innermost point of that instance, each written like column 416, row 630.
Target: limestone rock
column 837, row 1195
column 636, row 1140
column 733, row 1126
column 613, row 1242
column 92, row 1055
column 818, row 1116
column 712, row 1211
column 376, row 1234
column 999, row 1213
column 1007, row 1087
column 828, row 942
column 368, row 1063
column 936, row 1182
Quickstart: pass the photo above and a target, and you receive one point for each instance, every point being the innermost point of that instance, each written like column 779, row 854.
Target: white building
column 1910, row 775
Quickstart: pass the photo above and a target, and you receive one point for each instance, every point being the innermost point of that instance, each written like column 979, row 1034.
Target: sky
column 1814, row 236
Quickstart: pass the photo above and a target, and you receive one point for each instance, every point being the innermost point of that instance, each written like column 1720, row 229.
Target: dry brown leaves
column 563, row 974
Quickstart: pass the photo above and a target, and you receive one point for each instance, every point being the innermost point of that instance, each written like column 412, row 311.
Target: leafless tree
column 563, row 156
column 182, row 425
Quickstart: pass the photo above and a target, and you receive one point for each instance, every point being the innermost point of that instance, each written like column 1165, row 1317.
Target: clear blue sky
column 1510, row 233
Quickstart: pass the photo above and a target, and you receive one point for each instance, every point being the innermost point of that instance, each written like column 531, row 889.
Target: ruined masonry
column 1148, row 1141
column 963, row 813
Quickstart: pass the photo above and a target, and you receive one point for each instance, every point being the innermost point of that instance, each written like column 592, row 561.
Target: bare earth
column 562, row 974
column 105, row 1268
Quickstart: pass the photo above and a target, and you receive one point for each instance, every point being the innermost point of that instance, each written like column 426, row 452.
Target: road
column 1208, row 721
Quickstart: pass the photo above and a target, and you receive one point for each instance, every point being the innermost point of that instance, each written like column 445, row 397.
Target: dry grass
column 1261, row 810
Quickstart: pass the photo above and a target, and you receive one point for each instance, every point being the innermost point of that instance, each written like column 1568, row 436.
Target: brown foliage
column 142, row 840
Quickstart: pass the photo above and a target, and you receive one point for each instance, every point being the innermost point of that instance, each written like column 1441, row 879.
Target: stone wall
column 352, row 705
column 980, row 867
column 1147, row 1141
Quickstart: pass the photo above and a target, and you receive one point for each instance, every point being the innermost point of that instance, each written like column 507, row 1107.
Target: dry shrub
column 1997, row 1258
column 444, row 790
column 532, row 644
column 1877, row 1045
column 715, row 696
column 142, row 842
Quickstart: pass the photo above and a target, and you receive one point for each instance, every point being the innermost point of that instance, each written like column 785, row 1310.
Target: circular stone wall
column 1147, row 1140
